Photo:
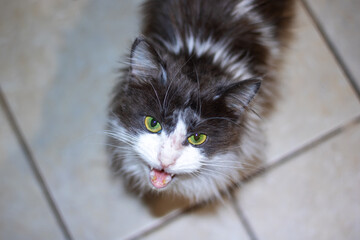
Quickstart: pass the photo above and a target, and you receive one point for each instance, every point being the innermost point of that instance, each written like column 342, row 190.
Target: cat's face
column 176, row 128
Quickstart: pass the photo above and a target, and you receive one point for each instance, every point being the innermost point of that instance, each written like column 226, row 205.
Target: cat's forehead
column 181, row 118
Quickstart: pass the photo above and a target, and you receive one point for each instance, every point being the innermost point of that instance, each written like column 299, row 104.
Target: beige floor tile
column 24, row 212
column 213, row 222
column 57, row 68
column 315, row 94
column 340, row 20
column 314, row 196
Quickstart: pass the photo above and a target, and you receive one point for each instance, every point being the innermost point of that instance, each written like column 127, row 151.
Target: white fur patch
column 220, row 55
column 173, row 47
column 148, row 145
column 244, row 7
column 167, row 151
column 190, row 43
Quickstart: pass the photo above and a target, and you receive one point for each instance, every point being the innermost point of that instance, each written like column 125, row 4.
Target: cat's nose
column 167, row 164
column 167, row 158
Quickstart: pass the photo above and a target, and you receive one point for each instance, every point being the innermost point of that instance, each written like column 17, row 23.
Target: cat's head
column 177, row 123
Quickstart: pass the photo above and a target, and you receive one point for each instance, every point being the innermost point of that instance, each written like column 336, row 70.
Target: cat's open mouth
column 160, row 178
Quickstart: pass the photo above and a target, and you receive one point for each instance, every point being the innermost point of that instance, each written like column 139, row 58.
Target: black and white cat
column 184, row 119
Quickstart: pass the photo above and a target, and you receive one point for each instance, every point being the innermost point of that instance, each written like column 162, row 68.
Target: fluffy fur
column 197, row 68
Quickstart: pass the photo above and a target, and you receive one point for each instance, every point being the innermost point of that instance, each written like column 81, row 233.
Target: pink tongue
column 159, row 179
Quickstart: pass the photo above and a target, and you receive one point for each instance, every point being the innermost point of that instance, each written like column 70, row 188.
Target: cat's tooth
column 151, row 168
column 152, row 174
column 167, row 179
column 172, row 175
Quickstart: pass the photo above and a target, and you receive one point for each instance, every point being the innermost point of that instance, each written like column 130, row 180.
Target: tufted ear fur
column 238, row 95
column 145, row 62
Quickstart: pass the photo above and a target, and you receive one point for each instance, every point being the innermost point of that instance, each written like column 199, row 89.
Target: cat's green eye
column 197, row 139
column 152, row 124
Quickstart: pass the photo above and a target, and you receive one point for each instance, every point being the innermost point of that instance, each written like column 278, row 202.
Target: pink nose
column 169, row 152
column 167, row 164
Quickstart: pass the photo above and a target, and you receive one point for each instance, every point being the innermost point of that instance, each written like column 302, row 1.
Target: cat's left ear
column 239, row 95
column 145, row 62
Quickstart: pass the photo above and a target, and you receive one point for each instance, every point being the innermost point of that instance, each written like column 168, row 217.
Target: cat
column 186, row 117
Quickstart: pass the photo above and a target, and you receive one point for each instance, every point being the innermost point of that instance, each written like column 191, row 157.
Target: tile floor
column 57, row 61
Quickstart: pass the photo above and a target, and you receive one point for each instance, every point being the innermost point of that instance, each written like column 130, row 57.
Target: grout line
column 153, row 226
column 165, row 220
column 305, row 147
column 33, row 165
column 243, row 219
column 333, row 49
column 286, row 158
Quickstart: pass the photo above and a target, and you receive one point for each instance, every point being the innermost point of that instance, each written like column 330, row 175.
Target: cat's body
column 184, row 118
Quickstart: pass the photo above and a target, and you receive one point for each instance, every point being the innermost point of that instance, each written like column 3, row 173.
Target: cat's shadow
column 160, row 205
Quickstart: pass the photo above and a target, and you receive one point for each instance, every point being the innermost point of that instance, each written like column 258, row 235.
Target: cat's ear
column 145, row 62
column 238, row 95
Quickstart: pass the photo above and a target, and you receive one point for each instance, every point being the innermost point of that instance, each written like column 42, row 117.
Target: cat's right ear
column 238, row 95
column 145, row 62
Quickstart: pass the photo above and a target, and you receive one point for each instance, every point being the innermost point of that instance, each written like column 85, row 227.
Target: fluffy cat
column 185, row 116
